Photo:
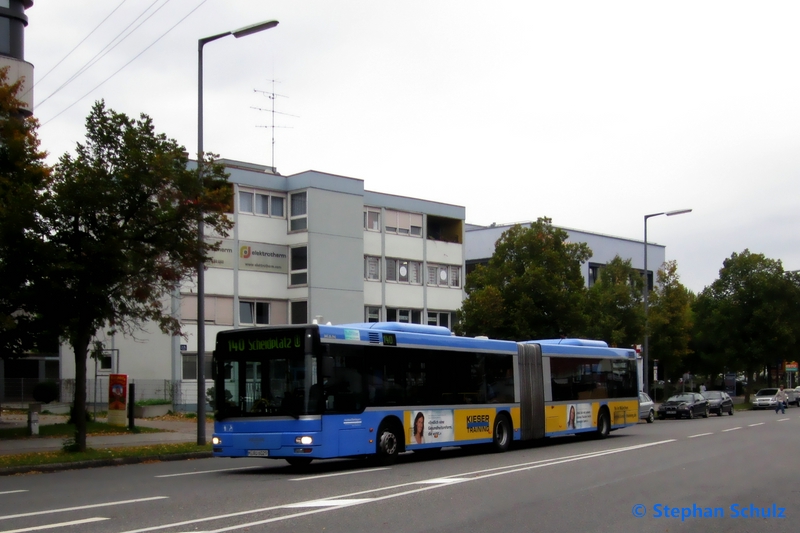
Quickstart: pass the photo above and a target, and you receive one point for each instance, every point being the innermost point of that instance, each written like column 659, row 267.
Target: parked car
column 792, row 396
column 647, row 410
column 765, row 399
column 688, row 404
column 718, row 402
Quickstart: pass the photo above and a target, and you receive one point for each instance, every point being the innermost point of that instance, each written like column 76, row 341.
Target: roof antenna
column 272, row 95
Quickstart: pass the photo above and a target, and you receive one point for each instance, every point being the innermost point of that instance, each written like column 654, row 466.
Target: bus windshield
column 266, row 373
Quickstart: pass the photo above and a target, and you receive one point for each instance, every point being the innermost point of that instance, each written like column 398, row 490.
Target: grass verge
column 61, row 457
column 68, row 430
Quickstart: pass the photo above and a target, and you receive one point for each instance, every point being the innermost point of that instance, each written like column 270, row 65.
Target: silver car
column 647, row 410
column 765, row 399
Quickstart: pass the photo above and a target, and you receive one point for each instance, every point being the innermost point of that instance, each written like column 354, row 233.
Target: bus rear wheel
column 603, row 424
column 501, row 438
column 388, row 445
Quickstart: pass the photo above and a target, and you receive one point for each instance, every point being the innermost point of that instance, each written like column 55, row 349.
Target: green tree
column 23, row 178
column 532, row 287
column 669, row 318
column 121, row 221
column 615, row 310
column 750, row 314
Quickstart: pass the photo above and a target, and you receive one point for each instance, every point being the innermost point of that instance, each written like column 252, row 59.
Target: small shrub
column 46, row 391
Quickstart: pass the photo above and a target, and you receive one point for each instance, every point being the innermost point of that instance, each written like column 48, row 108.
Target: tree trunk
column 81, row 348
column 749, row 375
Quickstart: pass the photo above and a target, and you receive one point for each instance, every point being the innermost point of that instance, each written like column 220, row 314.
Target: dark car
column 718, row 402
column 688, row 404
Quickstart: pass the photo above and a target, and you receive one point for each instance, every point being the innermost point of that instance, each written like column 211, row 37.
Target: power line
column 126, row 64
column 76, row 47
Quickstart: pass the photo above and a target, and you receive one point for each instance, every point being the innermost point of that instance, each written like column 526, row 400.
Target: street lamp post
column 646, row 290
column 201, row 318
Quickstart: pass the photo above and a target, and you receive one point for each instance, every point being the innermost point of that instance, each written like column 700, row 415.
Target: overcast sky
column 590, row 113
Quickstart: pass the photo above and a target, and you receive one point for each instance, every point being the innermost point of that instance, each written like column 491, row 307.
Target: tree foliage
column 751, row 314
column 120, row 221
column 532, row 287
column 615, row 310
column 669, row 319
column 23, row 178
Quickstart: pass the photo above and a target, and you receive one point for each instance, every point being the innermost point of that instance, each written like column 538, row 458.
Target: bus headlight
column 216, row 441
column 305, row 439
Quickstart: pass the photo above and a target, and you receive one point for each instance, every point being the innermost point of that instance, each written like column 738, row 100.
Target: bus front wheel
column 299, row 462
column 501, row 438
column 388, row 445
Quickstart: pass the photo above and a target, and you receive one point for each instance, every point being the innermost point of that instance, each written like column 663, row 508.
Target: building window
column 298, row 212
column 300, row 312
column 406, row 316
column 439, row 318
column 258, row 203
column 299, row 267
column 403, row 223
column 444, row 275
column 403, row 271
column 254, row 313
column 105, row 363
column 372, row 269
column 594, row 273
column 245, row 202
column 189, row 366
column 372, row 314
column 217, row 309
column 372, row 220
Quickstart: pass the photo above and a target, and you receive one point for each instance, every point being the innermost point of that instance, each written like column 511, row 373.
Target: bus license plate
column 258, row 453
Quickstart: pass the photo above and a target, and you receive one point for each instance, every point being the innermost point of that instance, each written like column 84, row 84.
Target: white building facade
column 305, row 247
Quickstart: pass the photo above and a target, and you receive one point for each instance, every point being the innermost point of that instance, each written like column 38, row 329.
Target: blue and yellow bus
column 320, row 391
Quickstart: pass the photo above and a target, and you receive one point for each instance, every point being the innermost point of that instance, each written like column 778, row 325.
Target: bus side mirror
column 327, row 366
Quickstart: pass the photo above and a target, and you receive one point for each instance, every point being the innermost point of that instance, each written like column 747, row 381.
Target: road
column 731, row 466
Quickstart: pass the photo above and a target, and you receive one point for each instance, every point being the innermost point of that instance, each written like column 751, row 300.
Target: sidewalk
column 175, row 431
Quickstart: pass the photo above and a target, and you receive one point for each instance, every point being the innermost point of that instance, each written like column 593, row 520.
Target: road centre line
column 698, row 435
column 348, row 499
column 754, row 425
column 82, row 507
column 731, row 429
column 52, row 526
column 12, row 491
column 210, row 471
column 783, row 419
column 307, row 478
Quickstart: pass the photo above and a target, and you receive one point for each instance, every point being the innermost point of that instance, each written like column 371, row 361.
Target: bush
column 153, row 401
column 46, row 391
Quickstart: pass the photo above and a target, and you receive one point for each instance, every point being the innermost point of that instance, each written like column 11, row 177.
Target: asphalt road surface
column 731, row 473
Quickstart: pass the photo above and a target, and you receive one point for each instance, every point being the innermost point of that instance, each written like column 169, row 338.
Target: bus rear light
column 305, row 439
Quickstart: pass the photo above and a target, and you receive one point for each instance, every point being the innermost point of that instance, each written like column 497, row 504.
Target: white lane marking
column 211, row 471
column 52, row 526
column 783, row 419
column 327, row 503
column 442, row 480
column 82, row 507
column 754, row 425
column 698, row 435
column 731, row 429
column 490, row 472
column 307, row 478
column 12, row 491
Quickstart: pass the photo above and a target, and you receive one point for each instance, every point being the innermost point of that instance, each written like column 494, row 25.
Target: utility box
column 33, row 418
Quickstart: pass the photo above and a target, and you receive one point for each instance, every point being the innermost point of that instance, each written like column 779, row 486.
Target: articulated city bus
column 319, row 391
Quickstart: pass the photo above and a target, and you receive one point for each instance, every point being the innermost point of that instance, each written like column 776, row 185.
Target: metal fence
column 20, row 391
